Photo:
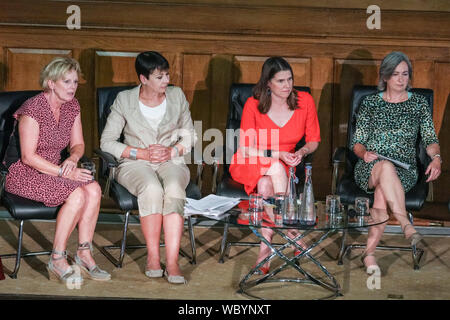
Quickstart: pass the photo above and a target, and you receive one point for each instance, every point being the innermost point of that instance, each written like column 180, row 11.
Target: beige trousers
column 159, row 189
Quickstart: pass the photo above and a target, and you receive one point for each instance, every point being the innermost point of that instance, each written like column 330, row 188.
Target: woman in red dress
column 273, row 121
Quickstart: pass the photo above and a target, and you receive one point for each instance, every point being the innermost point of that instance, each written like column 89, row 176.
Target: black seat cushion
column 25, row 209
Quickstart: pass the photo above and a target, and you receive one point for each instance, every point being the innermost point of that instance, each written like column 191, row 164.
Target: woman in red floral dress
column 47, row 124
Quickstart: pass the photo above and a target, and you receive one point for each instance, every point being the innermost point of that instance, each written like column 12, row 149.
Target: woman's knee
column 77, row 198
column 93, row 191
column 265, row 187
column 277, row 170
column 152, row 191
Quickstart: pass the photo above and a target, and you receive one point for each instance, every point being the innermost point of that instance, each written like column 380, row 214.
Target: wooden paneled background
column 213, row 43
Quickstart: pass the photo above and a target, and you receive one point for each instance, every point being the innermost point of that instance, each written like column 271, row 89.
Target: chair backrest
column 358, row 94
column 10, row 101
column 239, row 93
column 105, row 99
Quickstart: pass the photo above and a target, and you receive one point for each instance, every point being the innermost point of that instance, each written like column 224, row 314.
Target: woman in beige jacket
column 156, row 123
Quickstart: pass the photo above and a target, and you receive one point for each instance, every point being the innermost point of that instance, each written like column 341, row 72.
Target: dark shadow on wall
column 210, row 107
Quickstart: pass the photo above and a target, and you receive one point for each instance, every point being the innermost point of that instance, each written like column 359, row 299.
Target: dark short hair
column 148, row 61
column 270, row 68
column 388, row 65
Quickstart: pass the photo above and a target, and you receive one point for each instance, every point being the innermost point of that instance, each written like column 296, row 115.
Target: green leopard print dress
column 391, row 130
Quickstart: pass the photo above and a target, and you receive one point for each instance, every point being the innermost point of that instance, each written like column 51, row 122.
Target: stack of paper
column 211, row 205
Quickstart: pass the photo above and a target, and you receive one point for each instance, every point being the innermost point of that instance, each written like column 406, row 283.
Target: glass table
column 326, row 224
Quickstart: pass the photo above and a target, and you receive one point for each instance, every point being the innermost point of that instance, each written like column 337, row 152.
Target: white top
column 153, row 115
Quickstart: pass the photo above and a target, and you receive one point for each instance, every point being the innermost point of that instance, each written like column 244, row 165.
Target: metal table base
column 294, row 262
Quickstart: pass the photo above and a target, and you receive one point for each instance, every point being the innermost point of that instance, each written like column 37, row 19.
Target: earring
column 269, row 92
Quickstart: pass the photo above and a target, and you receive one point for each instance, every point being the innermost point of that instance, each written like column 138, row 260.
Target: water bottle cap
column 308, row 167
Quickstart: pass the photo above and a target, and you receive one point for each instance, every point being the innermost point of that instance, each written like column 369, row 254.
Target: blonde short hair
column 56, row 69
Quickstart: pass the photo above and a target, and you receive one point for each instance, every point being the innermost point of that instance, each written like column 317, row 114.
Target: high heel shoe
column 261, row 271
column 68, row 276
column 415, row 238
column 94, row 272
column 364, row 256
column 174, row 279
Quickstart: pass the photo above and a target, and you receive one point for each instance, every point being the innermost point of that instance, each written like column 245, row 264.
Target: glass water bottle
column 307, row 215
column 290, row 216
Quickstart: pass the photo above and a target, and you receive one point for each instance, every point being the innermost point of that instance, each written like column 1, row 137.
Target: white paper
column 396, row 162
column 212, row 205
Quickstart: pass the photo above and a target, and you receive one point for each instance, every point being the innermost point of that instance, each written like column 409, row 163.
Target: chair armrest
column 3, row 172
column 107, row 158
column 338, row 155
column 111, row 163
column 215, row 182
column 3, row 169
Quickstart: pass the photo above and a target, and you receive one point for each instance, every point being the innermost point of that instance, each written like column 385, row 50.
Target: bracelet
column 268, row 153
column 133, row 154
column 307, row 150
column 437, row 155
column 60, row 172
column 178, row 151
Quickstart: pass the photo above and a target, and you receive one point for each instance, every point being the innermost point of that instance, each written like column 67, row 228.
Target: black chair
column 20, row 209
column 239, row 93
column 347, row 188
column 125, row 200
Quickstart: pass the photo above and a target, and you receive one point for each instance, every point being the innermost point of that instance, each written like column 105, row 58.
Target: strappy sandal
column 364, row 256
column 94, row 272
column 415, row 238
column 68, row 276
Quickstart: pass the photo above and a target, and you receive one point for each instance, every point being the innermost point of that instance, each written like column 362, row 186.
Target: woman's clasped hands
column 292, row 159
column 158, row 153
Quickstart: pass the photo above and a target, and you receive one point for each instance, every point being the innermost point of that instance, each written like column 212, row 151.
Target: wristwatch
column 133, row 154
column 268, row 153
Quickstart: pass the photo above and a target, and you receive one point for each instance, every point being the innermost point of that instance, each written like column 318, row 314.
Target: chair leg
column 124, row 239
column 224, row 243
column 13, row 275
column 192, row 239
column 122, row 247
column 2, row 275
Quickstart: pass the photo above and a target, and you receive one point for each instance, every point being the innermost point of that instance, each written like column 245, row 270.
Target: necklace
column 399, row 98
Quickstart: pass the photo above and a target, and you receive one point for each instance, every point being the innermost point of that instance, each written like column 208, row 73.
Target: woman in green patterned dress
column 388, row 124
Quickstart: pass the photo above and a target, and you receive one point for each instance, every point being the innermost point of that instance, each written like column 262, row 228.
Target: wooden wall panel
column 441, row 97
column 322, row 93
column 24, row 66
column 349, row 73
column 248, row 69
column 115, row 69
column 209, row 49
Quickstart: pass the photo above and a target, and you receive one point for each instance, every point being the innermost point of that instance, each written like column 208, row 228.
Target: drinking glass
column 280, row 207
column 333, row 204
column 255, row 208
column 362, row 206
column 89, row 166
